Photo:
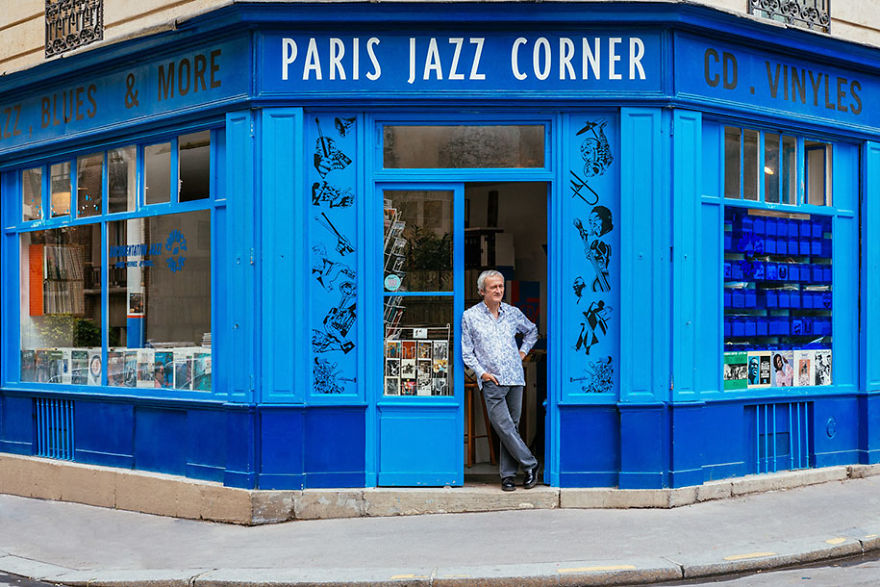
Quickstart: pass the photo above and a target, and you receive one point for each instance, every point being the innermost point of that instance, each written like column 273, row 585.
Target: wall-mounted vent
column 54, row 428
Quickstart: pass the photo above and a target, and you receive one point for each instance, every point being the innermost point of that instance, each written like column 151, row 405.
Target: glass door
column 420, row 426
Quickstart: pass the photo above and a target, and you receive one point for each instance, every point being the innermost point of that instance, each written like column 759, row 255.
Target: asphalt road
column 12, row 581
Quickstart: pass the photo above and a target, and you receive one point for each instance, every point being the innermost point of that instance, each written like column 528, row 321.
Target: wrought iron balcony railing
column 809, row 14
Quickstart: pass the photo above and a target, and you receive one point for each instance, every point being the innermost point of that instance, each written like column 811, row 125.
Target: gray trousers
column 504, row 406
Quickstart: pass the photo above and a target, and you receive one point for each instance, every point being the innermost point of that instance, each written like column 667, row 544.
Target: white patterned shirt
column 488, row 345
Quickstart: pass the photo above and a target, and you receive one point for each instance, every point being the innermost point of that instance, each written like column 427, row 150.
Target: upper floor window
column 809, row 14
column 764, row 166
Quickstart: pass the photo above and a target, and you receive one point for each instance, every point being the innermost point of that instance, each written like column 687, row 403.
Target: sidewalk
column 75, row 544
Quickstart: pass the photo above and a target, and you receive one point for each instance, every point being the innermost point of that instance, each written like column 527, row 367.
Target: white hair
column 481, row 280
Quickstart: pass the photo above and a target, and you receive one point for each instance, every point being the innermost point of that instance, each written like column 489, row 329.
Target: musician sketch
column 595, row 150
column 327, row 271
column 597, row 251
column 343, row 244
column 327, row 155
column 594, row 326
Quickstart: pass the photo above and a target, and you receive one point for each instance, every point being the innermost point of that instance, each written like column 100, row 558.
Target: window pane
column 60, row 300
column 789, row 170
column 32, row 194
column 419, row 343
column 418, row 241
column 731, row 162
column 60, row 184
column 194, row 155
column 160, row 302
column 121, row 187
column 777, row 299
column 89, row 184
column 407, row 147
column 750, row 164
column 157, row 173
column 817, row 167
column 771, row 168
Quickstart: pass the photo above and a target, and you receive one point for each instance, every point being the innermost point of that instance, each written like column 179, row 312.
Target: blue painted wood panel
column 333, row 227
column 240, row 249
column 284, row 335
column 282, row 445
column 687, row 243
column 157, row 440
column 590, row 259
column 644, row 282
column 334, row 447
column 589, row 444
column 105, row 433
column 870, row 272
column 408, row 436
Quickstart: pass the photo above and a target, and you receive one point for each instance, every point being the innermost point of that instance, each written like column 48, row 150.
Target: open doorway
column 506, row 229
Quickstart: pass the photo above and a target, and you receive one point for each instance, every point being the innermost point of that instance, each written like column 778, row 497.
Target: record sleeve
column 79, row 366
column 409, row 349
column 408, row 368
column 130, row 368
column 145, row 367
column 115, row 368
column 95, row 367
column 425, row 349
column 441, row 349
column 392, row 386
column 182, row 369
column 759, row 369
column 803, row 361
column 407, row 387
column 736, row 371
column 392, row 349
column 163, row 370
column 201, row 369
column 783, row 368
column 822, row 367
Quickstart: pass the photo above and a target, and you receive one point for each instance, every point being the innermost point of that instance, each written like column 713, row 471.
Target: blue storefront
column 193, row 224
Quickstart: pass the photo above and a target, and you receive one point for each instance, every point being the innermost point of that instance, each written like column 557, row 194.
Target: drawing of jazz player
column 595, row 150
column 597, row 251
column 595, row 324
column 326, row 271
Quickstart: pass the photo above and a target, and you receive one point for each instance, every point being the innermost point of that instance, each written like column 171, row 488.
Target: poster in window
column 182, row 369
column 409, row 349
column 163, row 370
column 425, row 349
column 408, row 368
column 408, row 387
column 392, row 368
column 441, row 349
column 440, row 386
column 115, row 367
column 201, row 371
column 28, row 366
column 392, row 349
column 145, row 367
column 392, row 386
column 425, row 376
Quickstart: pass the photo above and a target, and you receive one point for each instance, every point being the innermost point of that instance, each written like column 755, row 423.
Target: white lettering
column 288, row 55
column 377, row 70
column 432, row 61
column 636, row 52
column 337, row 51
column 590, row 58
column 478, row 41
column 566, row 53
column 453, row 70
column 541, row 50
column 355, row 58
column 412, row 60
column 313, row 61
column 613, row 58
column 514, row 58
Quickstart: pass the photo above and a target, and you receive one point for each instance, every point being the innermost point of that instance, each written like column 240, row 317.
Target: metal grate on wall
column 781, row 438
column 54, row 428
column 809, row 14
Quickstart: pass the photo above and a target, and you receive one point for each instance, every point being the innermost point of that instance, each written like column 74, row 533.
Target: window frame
column 12, row 182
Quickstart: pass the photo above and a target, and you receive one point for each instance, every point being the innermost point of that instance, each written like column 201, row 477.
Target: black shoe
column 531, row 478
column 508, row 484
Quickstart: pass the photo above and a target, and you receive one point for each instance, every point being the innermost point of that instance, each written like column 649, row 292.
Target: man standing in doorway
column 488, row 346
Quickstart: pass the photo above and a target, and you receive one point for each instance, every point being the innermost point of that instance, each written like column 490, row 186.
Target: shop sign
column 458, row 61
column 734, row 74
column 206, row 74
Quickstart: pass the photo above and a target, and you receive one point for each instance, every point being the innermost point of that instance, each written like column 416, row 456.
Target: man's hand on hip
column 490, row 377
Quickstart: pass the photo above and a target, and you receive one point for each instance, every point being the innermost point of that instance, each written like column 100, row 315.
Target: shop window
column 194, row 156
column 160, row 302
column 746, row 151
column 473, row 146
column 121, row 185
column 419, row 327
column 157, row 173
column 59, row 176
column 60, row 301
column 32, row 194
column 89, row 184
column 777, row 299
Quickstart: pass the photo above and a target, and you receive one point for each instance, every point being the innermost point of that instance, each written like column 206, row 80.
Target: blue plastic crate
column 750, row 326
column 782, row 271
column 738, row 298
column 816, row 247
column 770, row 246
column 817, row 274
column 794, row 299
column 807, row 325
column 770, row 225
column 807, row 298
column 779, row 326
column 762, row 326
column 797, row 327
column 758, row 267
column 792, row 245
column 826, row 273
column 826, row 247
column 771, row 298
column 804, row 246
column 793, row 228
column 805, row 228
column 770, row 273
column 758, row 223
column 728, row 241
column 728, row 298
column 794, row 273
column 817, row 230
column 736, row 270
column 751, row 298
column 825, row 300
column 784, row 298
column 805, row 273
column 738, row 327
column 727, row 328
